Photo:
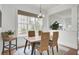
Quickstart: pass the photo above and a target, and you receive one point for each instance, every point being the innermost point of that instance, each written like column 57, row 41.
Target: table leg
column 16, row 43
column 33, row 48
column 25, row 45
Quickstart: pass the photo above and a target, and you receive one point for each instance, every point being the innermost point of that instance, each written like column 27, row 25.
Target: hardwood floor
column 63, row 50
column 6, row 52
column 71, row 52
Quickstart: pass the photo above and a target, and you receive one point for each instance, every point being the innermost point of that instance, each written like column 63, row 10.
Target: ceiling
column 43, row 6
column 65, row 13
column 35, row 6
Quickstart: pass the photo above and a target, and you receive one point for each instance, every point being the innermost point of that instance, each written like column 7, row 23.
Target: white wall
column 1, row 11
column 78, row 26
column 8, row 18
column 67, row 38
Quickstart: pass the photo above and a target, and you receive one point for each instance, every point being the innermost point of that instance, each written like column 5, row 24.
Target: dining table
column 33, row 41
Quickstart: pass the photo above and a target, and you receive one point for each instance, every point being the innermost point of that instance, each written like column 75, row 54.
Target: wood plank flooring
column 20, row 50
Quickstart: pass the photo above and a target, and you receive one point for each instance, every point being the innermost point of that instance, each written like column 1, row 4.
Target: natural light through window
column 27, row 23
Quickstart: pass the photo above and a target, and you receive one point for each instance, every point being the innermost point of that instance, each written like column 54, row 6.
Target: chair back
column 55, row 38
column 5, row 36
column 31, row 33
column 39, row 33
column 45, row 36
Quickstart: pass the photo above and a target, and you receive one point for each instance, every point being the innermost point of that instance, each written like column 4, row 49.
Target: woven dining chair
column 54, row 41
column 39, row 33
column 45, row 36
column 38, row 43
column 30, row 34
column 6, row 38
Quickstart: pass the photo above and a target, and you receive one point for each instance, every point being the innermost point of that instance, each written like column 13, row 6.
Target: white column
column 74, row 24
column 45, row 23
column 74, row 18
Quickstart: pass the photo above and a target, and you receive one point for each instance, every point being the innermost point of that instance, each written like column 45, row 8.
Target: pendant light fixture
column 40, row 14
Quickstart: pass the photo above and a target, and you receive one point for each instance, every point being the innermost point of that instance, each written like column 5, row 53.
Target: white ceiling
column 43, row 6
column 65, row 13
column 36, row 6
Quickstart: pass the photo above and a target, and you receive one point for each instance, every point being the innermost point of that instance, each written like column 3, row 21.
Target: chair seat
column 9, row 39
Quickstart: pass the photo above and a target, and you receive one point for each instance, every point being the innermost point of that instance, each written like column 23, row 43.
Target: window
column 27, row 23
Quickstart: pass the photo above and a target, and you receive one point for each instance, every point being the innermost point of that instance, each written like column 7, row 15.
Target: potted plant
column 55, row 26
column 10, row 32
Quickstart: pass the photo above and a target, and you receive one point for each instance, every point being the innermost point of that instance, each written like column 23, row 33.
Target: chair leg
column 25, row 46
column 3, row 47
column 57, row 48
column 52, row 51
column 48, row 52
column 16, row 43
column 9, row 47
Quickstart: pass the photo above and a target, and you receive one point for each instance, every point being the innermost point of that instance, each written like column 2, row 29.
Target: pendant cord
column 40, row 8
